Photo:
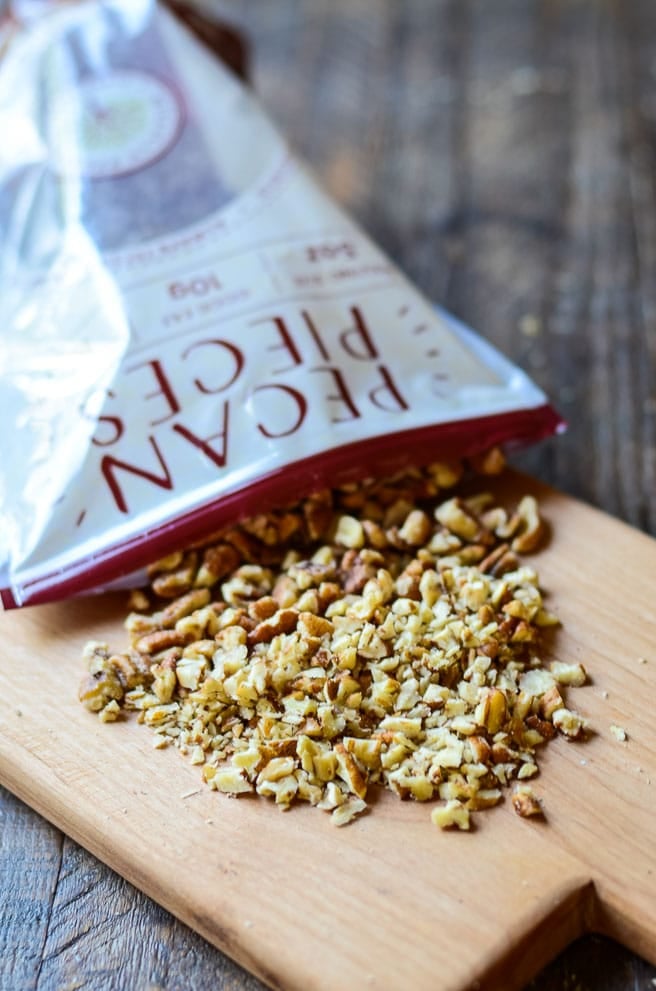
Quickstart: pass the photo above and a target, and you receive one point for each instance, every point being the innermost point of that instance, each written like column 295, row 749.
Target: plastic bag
column 190, row 329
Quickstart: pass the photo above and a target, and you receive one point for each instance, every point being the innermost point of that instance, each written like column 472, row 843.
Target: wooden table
column 504, row 155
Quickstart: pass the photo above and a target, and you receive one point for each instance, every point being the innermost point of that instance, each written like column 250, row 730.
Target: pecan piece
column 525, row 802
column 186, row 604
column 218, row 561
column 153, row 643
column 283, row 621
column 532, row 529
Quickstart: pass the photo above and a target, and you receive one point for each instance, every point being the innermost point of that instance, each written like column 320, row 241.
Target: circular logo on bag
column 122, row 122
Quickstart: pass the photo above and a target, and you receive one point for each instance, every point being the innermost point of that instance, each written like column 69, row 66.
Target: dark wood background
column 503, row 152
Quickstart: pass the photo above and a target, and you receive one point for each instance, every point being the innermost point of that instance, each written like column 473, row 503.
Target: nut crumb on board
column 526, row 803
column 619, row 733
column 380, row 633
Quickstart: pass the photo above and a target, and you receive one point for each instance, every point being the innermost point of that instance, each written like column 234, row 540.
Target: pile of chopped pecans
column 376, row 633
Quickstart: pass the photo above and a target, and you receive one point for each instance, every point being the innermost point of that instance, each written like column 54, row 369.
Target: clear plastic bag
column 190, row 329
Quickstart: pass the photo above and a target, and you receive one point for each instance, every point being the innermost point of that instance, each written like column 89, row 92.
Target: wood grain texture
column 504, row 155
column 280, row 892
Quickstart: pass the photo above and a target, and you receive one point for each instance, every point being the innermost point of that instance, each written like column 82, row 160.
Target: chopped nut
column 285, row 591
column 218, row 562
column 168, row 563
column 333, row 797
column 446, row 473
column 349, row 532
column 314, row 626
column 550, row 702
column 283, row 790
column 138, row 600
column 110, row 713
column 532, row 529
column 451, row 814
column 417, row 528
column 183, row 606
column 248, row 582
column 491, row 563
column 318, row 514
column 278, row 767
column 457, row 518
column 619, row 733
column 172, row 583
column 536, row 682
column 481, row 749
column 349, row 771
column 527, row 770
column 154, row 643
column 347, row 812
column 541, row 726
column 190, row 671
column 491, row 462
column 263, row 608
column 525, row 802
column 491, row 711
column 165, row 684
column 569, row 723
column 98, row 690
column 230, row 780
column 348, row 641
column 283, row 621
column 568, row 674
column 374, row 534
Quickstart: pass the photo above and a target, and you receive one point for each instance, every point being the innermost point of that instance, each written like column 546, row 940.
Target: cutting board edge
column 572, row 915
column 589, row 907
column 618, row 917
column 566, row 912
column 53, row 808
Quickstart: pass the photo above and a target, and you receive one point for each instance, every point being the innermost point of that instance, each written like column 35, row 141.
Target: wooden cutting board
column 389, row 902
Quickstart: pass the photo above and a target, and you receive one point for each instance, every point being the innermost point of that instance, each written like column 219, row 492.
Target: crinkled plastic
column 190, row 329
